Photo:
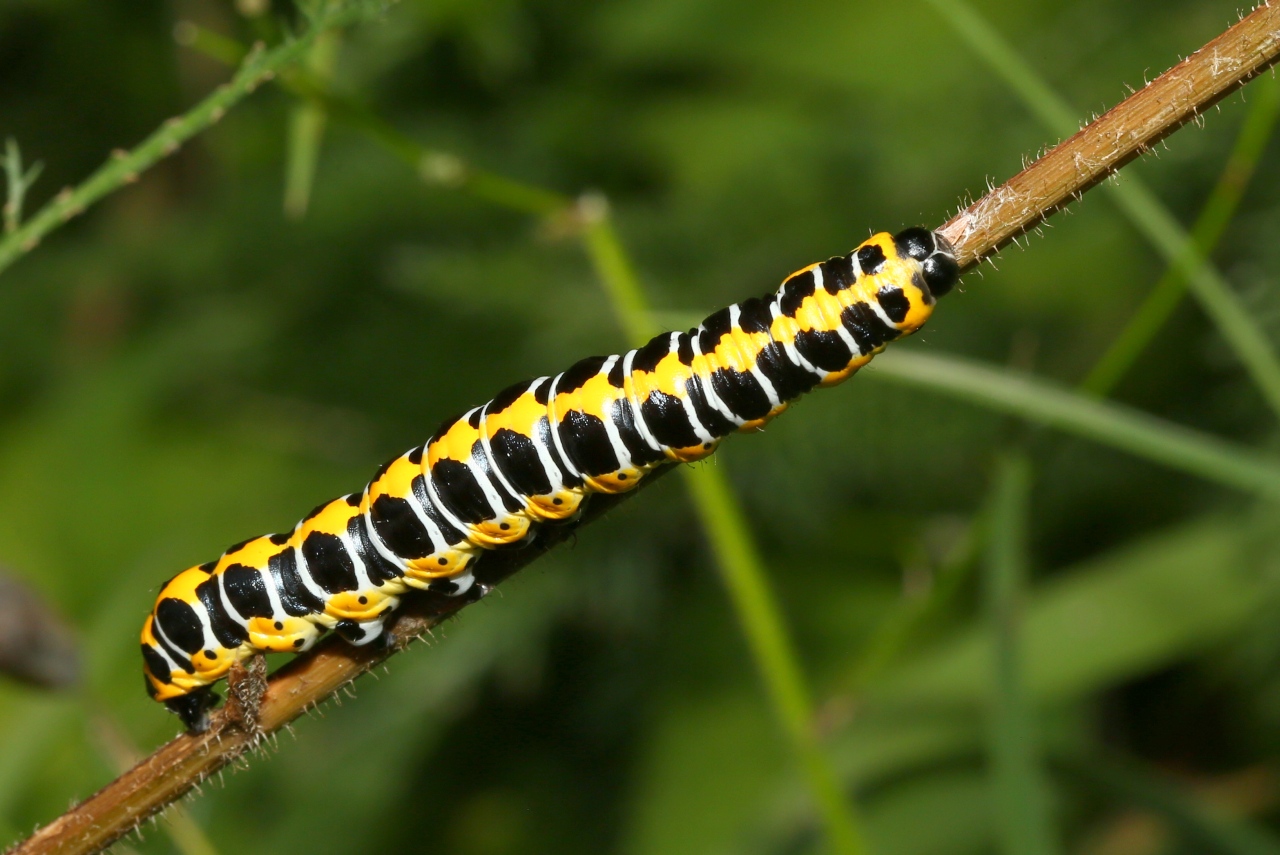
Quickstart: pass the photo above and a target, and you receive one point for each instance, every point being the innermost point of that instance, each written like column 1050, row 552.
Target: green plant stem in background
column 1201, row 827
column 306, row 130
column 1039, row 401
column 1022, row 807
column 762, row 623
column 615, row 272
column 1214, row 218
column 1215, row 295
column 17, row 182
column 435, row 167
column 737, row 556
column 1134, row 199
column 124, row 167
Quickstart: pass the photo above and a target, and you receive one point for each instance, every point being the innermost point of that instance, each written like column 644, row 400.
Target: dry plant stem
column 1126, row 131
column 1074, row 166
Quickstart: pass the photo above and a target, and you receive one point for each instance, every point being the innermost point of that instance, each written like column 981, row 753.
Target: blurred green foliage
column 186, row 366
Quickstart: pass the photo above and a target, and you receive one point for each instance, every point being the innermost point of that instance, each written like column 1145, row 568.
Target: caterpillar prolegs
column 530, row 457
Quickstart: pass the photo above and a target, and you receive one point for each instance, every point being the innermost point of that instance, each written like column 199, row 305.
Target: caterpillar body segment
column 530, row 457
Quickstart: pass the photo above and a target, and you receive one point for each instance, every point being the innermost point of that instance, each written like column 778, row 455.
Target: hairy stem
column 1186, row 254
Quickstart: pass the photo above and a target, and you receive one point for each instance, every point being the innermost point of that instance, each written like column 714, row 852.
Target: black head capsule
column 941, row 272
column 193, row 708
column 915, row 242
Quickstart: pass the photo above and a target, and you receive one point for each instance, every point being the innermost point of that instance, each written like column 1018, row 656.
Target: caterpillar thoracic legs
column 530, row 457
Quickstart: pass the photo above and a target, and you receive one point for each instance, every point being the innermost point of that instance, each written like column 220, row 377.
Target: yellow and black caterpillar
column 531, row 456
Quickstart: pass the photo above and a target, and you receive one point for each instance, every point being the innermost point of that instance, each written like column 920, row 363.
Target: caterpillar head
column 936, row 257
column 193, row 708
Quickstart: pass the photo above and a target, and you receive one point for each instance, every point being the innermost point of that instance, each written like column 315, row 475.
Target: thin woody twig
column 1101, row 148
column 1126, row 131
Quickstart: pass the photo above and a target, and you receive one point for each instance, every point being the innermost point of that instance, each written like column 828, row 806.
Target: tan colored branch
column 1126, row 131
column 1064, row 173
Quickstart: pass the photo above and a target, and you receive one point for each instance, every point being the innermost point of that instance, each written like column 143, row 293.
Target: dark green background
column 185, row 367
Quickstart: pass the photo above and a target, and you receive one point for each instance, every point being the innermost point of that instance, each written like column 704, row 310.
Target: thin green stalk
column 1216, row 297
column 1134, row 199
column 736, row 555
column 17, row 182
column 124, row 167
column 306, row 130
column 1111, row 424
column 615, row 272
column 762, row 623
column 1022, row 807
column 434, row 167
column 1212, row 223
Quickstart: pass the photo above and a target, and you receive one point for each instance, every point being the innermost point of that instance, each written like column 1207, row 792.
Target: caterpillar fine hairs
column 530, row 457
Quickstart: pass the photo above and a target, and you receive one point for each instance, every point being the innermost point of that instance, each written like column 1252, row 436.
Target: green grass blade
column 1110, row 424
column 1201, row 827
column 302, row 157
column 1134, row 199
column 1021, row 801
column 616, row 274
column 1214, row 218
column 762, row 624
column 737, row 557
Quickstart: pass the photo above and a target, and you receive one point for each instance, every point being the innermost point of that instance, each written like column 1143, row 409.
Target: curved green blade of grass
column 738, row 559
column 1111, row 424
column 1134, row 199
column 1022, row 808
column 1214, row 218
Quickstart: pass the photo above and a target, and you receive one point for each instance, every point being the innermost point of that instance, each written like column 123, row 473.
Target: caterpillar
column 530, row 457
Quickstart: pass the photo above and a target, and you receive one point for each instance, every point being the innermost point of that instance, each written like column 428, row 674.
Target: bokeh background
column 194, row 362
